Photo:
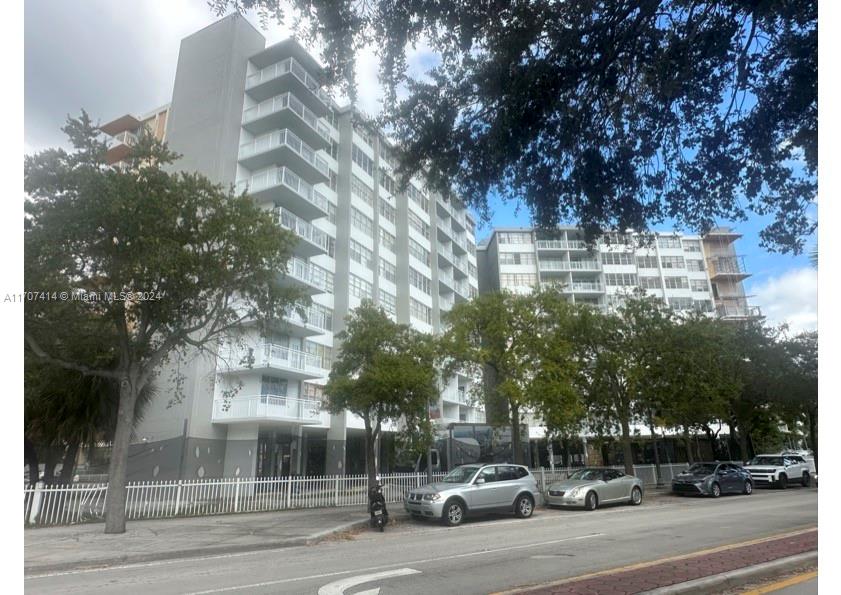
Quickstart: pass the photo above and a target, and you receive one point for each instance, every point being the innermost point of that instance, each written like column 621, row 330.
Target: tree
column 517, row 343
column 800, row 390
column 162, row 261
column 615, row 114
column 384, row 373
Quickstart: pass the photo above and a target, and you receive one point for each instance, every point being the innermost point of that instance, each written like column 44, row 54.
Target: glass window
column 360, row 287
column 668, row 242
column 693, row 264
column 517, row 258
column 681, row 303
column 676, row 282
column 650, row 282
column 513, row 237
column 361, row 221
column 388, row 271
column 419, row 252
column 361, row 254
column 488, row 474
column 362, row 190
column 419, row 280
column 617, row 258
column 620, row 279
column 388, row 302
column 331, row 212
column 273, row 386
column 672, row 262
column 420, row 311
column 362, row 160
column 419, row 225
column 647, row 262
column 699, row 285
column 517, row 279
column 419, row 197
column 387, row 211
column 388, row 240
column 691, row 246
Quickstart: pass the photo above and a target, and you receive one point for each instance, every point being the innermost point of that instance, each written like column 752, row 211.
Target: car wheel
column 524, row 507
column 807, row 479
column 783, row 481
column 453, row 513
column 636, row 496
column 591, row 502
column 715, row 492
column 748, row 488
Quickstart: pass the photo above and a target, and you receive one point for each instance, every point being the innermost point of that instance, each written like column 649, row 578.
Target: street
column 482, row 556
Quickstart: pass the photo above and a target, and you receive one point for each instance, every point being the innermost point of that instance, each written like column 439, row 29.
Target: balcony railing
column 290, row 102
column 287, row 138
column 561, row 245
column 311, row 317
column 727, row 265
column 462, row 288
column 123, row 138
column 302, row 228
column 310, row 273
column 445, row 252
column 278, row 176
column 268, row 407
column 290, row 65
column 584, row 286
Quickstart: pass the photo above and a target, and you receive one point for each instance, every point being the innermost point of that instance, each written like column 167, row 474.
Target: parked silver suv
column 476, row 489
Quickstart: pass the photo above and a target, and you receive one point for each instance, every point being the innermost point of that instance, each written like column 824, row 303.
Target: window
column 672, row 262
column 362, row 160
column 387, row 182
column 681, row 303
column 362, row 190
column 331, row 212
column 324, row 316
column 488, row 474
column 691, row 246
column 668, row 242
column 334, row 181
column 312, row 391
column 322, row 353
column 703, row 305
column 617, row 258
column 620, row 279
column 612, row 238
column 418, row 197
column 420, row 311
column 699, row 285
column 471, row 269
column 650, row 282
column 419, row 252
column 516, row 258
column 513, row 237
column 420, row 281
column 419, row 225
column 388, row 240
column 517, row 279
column 388, row 271
column 364, row 134
column 361, row 254
column 388, row 302
column 360, row 288
column 676, row 282
column 272, row 386
column 361, row 221
column 647, row 262
column 385, row 154
column 387, row 211
column 695, row 265
column 334, row 149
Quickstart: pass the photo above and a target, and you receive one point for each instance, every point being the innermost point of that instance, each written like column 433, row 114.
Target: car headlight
column 432, row 497
column 574, row 492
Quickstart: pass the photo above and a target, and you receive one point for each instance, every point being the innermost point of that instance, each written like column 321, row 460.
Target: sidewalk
column 703, row 572
column 87, row 546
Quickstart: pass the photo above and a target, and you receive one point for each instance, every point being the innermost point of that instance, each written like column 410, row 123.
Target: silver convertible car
column 592, row 486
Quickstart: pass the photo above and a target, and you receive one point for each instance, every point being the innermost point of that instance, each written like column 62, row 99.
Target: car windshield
column 461, row 474
column 705, row 468
column 587, row 474
column 775, row 461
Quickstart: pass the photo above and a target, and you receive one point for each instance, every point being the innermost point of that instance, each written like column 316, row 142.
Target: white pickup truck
column 779, row 470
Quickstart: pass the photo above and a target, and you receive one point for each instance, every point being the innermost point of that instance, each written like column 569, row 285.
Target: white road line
column 403, row 563
column 338, row 587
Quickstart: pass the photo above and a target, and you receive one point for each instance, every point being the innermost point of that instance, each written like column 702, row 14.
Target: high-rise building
column 255, row 117
column 124, row 131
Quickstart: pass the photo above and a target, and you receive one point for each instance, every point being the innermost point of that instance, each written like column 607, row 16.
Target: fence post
column 177, row 498
column 542, row 480
column 336, row 493
column 36, row 503
column 236, row 496
column 289, row 492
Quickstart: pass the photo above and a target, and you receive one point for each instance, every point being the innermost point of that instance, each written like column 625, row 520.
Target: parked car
column 477, row 488
column 777, row 470
column 807, row 456
column 593, row 486
column 713, row 479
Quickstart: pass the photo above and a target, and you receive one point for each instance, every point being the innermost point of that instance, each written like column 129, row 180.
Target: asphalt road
column 481, row 556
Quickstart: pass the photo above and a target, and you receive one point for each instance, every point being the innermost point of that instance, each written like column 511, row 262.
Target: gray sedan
column 590, row 487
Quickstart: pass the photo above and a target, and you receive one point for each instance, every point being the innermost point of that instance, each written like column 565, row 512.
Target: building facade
column 256, row 118
column 124, row 131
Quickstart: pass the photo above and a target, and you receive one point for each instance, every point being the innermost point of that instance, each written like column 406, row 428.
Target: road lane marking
column 638, row 565
column 403, row 563
column 338, row 587
column 794, row 580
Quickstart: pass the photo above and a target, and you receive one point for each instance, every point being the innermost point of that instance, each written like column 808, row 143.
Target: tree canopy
column 611, row 113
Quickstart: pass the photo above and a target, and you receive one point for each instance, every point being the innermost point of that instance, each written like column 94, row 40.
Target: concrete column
column 241, row 450
column 336, row 446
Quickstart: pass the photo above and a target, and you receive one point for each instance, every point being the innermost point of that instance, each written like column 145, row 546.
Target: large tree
column 384, row 373
column 616, row 113
column 519, row 345
column 160, row 262
column 800, row 392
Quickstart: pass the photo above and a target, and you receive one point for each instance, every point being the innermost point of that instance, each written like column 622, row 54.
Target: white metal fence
column 78, row 503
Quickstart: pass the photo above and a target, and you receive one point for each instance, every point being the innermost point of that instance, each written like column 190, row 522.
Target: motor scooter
column 377, row 508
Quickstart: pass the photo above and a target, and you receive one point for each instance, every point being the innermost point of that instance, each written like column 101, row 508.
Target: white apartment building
column 255, row 117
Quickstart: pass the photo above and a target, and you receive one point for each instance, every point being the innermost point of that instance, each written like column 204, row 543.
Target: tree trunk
column 68, row 463
column 115, row 505
column 813, row 435
column 743, row 443
column 49, row 465
column 687, row 440
column 516, row 451
column 713, row 442
column 656, row 450
column 30, row 455
column 627, row 451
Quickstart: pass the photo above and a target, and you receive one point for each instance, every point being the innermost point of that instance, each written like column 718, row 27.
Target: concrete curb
column 40, row 569
column 736, row 578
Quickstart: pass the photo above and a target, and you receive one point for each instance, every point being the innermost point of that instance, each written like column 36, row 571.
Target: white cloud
column 791, row 297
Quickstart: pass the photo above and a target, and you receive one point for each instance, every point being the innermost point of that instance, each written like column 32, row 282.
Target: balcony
column 445, row 279
column 737, row 309
column 445, row 253
column 561, row 245
column 284, row 146
column 307, row 276
column 462, row 290
column 729, row 268
column 269, row 408
column 287, row 111
column 311, row 322
column 119, row 146
column 459, row 244
column 281, row 185
column 586, row 287
column 313, row 240
column 293, row 363
column 288, row 75
column 460, row 267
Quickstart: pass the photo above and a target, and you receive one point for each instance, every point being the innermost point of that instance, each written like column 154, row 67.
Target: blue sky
column 66, row 70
